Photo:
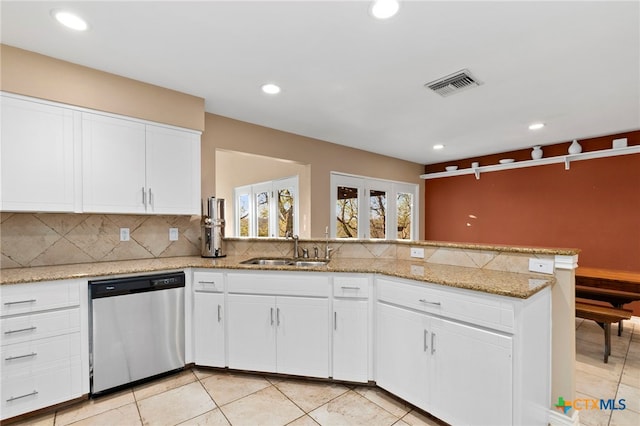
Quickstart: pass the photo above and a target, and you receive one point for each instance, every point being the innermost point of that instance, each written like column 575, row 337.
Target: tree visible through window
column 285, row 212
column 347, row 212
column 404, row 204
column 377, row 214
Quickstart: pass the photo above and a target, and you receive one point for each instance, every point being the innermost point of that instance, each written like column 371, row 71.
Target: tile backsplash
column 46, row 239
column 39, row 239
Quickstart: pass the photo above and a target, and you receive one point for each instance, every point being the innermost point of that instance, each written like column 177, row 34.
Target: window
column 267, row 209
column 373, row 208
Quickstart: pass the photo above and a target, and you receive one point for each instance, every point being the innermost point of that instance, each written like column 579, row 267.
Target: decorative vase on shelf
column 575, row 147
column 536, row 154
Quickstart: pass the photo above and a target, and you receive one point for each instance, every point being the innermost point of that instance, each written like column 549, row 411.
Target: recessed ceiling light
column 438, row 146
column 536, row 126
column 271, row 89
column 383, row 9
column 70, row 20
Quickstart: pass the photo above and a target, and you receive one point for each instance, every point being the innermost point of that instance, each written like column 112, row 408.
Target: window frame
column 364, row 186
column 272, row 188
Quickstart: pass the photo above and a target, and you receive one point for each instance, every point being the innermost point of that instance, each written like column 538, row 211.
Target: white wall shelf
column 566, row 159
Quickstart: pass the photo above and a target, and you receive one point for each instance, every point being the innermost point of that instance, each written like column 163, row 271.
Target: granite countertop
column 495, row 282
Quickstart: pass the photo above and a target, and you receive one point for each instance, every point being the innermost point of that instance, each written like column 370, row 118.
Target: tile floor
column 216, row 397
column 618, row 379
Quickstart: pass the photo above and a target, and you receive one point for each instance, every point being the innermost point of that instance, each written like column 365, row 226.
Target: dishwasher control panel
column 136, row 284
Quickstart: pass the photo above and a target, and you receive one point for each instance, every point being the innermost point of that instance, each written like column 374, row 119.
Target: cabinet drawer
column 39, row 325
column 37, row 353
column 32, row 297
column 351, row 287
column 305, row 284
column 27, row 391
column 210, row 282
column 464, row 305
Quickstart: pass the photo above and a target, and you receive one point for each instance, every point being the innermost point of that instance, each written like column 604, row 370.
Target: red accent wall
column 594, row 206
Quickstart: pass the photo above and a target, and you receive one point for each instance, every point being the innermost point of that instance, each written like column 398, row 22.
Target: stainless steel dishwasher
column 137, row 329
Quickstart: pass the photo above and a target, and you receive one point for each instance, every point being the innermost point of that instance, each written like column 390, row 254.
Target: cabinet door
column 251, row 332
column 350, row 340
column 303, row 336
column 208, row 313
column 37, row 157
column 113, row 153
column 403, row 354
column 471, row 368
column 173, row 171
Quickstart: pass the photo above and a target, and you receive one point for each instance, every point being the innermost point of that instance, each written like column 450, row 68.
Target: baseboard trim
column 556, row 418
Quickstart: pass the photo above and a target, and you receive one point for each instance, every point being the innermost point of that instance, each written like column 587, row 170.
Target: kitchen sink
column 285, row 262
column 310, row 262
column 262, row 261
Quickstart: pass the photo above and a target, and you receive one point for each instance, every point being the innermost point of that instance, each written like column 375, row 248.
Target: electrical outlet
column 417, row 252
column 173, row 234
column 544, row 266
column 124, row 234
column 417, row 270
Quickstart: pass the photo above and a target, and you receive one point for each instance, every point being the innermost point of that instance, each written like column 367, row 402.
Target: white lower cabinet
column 209, row 319
column 431, row 352
column 43, row 357
column 279, row 323
column 351, row 328
column 402, row 356
column 208, row 324
column 470, row 368
column 252, row 332
column 280, row 334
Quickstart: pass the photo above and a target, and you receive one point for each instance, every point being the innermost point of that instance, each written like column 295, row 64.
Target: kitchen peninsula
column 483, row 292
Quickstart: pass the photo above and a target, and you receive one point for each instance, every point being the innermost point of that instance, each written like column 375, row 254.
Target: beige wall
column 323, row 157
column 32, row 74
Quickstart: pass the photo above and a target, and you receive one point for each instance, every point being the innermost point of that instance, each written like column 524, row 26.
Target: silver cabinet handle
column 347, row 287
column 19, row 301
column 144, row 196
column 20, row 330
column 271, row 316
column 335, row 320
column 433, row 347
column 207, row 282
column 424, row 340
column 278, row 317
column 219, row 313
column 150, row 198
column 429, row 303
column 13, row 398
column 10, row 358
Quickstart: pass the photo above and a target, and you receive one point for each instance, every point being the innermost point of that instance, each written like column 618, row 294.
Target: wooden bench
column 604, row 316
column 612, row 286
column 617, row 298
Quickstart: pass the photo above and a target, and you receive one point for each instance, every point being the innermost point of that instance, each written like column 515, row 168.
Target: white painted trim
column 556, row 418
column 98, row 112
column 566, row 261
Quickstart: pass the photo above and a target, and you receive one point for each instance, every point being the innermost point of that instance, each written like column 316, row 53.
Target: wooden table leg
column 619, row 306
column 607, row 341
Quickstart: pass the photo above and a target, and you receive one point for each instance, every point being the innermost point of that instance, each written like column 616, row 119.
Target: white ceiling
column 353, row 80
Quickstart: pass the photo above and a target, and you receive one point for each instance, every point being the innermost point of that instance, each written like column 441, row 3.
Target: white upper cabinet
column 113, row 165
column 173, row 171
column 132, row 167
column 37, row 156
column 61, row 158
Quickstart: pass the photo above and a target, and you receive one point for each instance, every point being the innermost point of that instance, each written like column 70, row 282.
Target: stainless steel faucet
column 327, row 249
column 295, row 243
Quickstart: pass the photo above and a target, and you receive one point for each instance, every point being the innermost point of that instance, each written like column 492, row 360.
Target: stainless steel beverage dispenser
column 212, row 244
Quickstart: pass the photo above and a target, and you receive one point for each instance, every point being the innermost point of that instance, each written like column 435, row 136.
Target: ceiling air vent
column 453, row 83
